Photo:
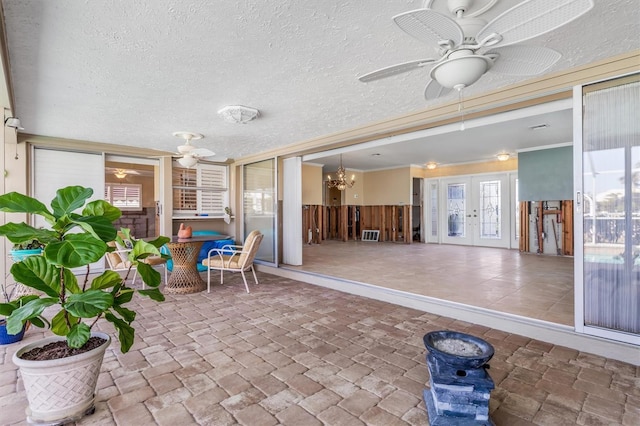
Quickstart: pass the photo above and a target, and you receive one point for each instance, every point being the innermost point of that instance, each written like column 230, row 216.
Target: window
column 125, row 196
column 200, row 191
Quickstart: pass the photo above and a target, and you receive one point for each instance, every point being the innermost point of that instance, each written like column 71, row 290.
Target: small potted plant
column 26, row 248
column 77, row 236
column 10, row 303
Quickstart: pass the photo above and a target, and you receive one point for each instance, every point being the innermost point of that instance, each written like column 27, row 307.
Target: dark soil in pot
column 57, row 350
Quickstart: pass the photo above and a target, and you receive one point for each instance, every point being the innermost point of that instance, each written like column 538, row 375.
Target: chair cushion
column 223, row 263
column 124, row 255
column 122, row 265
column 154, row 260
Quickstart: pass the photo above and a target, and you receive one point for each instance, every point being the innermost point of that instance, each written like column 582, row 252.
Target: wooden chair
column 234, row 258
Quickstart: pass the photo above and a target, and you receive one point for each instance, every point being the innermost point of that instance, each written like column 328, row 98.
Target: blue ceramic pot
column 6, row 339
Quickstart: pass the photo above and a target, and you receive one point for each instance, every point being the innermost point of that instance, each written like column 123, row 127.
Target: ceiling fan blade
column 532, row 18
column 429, row 26
column 523, row 60
column 434, row 90
column 394, row 69
column 202, row 152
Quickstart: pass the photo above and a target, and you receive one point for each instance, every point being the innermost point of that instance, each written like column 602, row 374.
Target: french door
column 474, row 210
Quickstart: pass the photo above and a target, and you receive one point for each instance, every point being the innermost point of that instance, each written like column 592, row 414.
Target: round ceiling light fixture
column 503, row 156
column 238, row 114
column 432, row 165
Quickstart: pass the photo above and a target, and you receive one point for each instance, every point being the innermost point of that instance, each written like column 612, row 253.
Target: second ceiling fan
column 463, row 40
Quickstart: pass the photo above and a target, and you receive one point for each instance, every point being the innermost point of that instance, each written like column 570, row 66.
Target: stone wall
column 142, row 223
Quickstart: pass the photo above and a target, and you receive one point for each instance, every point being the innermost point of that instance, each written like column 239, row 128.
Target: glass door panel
column 456, row 218
column 609, row 268
column 456, row 209
column 259, row 205
column 490, row 210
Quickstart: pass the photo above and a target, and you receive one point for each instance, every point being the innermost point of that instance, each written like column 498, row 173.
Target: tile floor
column 503, row 280
column 294, row 354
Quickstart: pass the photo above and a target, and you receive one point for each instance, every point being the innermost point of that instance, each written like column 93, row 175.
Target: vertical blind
column 611, row 218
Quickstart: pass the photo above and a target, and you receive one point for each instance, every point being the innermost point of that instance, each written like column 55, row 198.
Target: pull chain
column 461, row 108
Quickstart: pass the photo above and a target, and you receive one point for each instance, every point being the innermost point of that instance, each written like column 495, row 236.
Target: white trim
column 578, row 226
column 131, row 160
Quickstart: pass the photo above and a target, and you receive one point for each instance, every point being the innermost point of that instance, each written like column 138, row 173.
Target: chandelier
column 341, row 182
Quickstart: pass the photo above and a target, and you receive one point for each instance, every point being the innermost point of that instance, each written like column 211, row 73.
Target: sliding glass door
column 608, row 204
column 260, row 205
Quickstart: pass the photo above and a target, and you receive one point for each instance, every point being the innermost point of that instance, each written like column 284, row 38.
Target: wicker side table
column 185, row 278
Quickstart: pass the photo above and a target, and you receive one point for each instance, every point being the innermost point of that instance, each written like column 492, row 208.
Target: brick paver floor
column 294, row 354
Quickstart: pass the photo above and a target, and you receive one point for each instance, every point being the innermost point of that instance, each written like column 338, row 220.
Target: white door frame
column 472, row 233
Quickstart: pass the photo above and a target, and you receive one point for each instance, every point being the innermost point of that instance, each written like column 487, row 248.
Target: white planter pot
column 60, row 390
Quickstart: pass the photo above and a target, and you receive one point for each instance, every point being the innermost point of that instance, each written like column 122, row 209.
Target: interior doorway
column 131, row 185
column 474, row 210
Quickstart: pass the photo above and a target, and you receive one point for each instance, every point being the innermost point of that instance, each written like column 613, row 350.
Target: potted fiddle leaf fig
column 76, row 237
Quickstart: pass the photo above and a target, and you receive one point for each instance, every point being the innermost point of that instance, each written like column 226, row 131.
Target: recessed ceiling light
column 539, row 127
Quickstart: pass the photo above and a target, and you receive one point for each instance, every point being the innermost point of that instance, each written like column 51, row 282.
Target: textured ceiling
column 132, row 73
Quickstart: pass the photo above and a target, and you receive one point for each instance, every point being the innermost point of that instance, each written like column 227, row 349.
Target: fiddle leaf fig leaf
column 127, row 314
column 159, row 242
column 14, row 202
column 78, row 335
column 126, row 333
column 30, row 310
column 20, row 232
column 89, row 304
column 153, row 294
column 75, row 250
column 35, row 272
column 59, row 323
column 98, row 226
column 102, row 208
column 69, row 199
column 108, row 279
column 150, row 276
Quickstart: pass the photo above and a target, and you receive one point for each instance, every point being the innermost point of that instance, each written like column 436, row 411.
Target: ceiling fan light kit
column 189, row 154
column 462, row 38
column 187, row 161
column 462, row 69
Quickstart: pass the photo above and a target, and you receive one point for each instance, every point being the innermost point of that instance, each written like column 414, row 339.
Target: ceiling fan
column 463, row 39
column 188, row 155
column 121, row 173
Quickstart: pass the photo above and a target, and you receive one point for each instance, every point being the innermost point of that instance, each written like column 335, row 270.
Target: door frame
column 472, row 216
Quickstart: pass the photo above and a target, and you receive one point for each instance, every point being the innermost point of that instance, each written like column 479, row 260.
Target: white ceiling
column 132, row 73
